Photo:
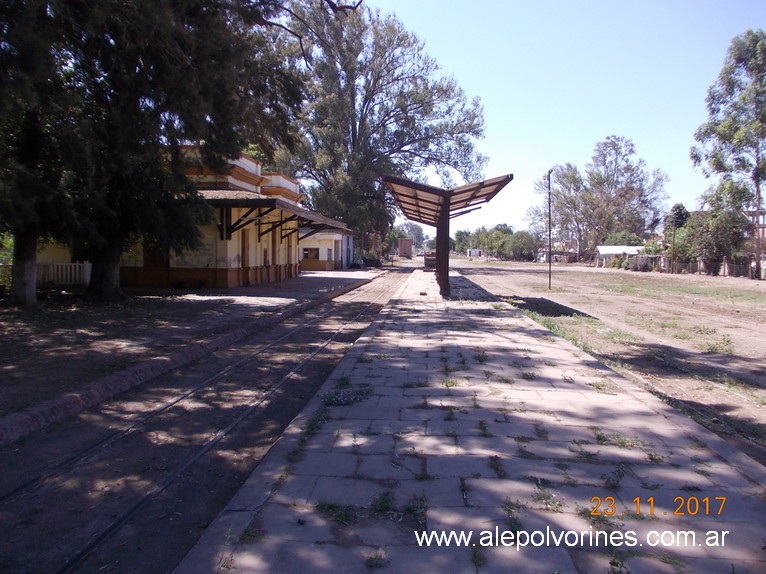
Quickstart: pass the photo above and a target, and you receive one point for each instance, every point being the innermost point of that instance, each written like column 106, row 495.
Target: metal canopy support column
column 442, row 248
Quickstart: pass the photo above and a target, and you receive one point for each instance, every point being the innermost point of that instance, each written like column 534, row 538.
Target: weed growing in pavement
column 512, row 509
column 450, row 416
column 423, row 404
column 599, row 521
column 250, row 535
column 601, row 438
column 477, row 557
column 415, row 385
column 423, row 475
column 602, row 386
column 416, row 508
column 376, row 560
column 697, row 443
column 314, row 424
column 449, row 383
column 525, row 454
column 226, row 561
column 480, row 356
column 384, row 502
column 627, row 441
column 617, row 566
column 496, row 464
column 547, row 500
column 584, row 455
column 484, row 429
column 341, row 397
column 612, row 479
column 540, row 431
column 343, row 513
column 464, row 491
column 655, row 458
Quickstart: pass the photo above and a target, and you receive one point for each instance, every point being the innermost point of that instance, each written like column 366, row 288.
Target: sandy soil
column 698, row 342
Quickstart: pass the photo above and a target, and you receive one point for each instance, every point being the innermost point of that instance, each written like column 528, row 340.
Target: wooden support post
column 442, row 248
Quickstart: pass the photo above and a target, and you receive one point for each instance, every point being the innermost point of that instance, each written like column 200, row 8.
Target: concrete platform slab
column 480, row 425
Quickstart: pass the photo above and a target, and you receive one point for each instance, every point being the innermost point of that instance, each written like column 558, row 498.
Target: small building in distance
column 605, row 253
column 405, row 247
column 326, row 250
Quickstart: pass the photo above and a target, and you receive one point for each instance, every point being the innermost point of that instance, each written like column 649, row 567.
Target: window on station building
column 311, row 253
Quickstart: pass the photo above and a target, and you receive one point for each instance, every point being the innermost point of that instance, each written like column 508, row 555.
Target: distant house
column 605, row 253
column 326, row 250
column 254, row 239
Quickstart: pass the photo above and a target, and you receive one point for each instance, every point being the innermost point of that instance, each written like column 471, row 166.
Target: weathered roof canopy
column 258, row 206
column 422, row 203
column 435, row 206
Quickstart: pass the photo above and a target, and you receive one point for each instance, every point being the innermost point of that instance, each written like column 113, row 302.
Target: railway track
column 129, row 485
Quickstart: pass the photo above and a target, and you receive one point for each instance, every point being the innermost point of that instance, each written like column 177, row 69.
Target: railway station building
column 257, row 236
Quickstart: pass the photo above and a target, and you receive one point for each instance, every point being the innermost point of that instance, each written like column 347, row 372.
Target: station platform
column 461, row 423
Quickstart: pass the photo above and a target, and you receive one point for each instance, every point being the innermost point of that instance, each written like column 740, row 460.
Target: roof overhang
column 252, row 201
column 435, row 206
column 422, row 203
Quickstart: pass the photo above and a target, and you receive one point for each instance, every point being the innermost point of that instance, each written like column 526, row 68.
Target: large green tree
column 719, row 230
column 33, row 135
column 153, row 76
column 376, row 106
column 733, row 140
column 524, row 246
column 104, row 95
column 616, row 193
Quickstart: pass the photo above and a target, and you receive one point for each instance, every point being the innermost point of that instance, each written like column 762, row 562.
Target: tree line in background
column 615, row 198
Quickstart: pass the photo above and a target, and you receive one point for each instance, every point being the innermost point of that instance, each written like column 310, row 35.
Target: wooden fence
column 64, row 273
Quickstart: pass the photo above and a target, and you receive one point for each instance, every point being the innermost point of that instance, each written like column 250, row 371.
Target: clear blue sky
column 557, row 76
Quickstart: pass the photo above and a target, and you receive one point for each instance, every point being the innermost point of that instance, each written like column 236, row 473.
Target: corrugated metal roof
column 421, row 203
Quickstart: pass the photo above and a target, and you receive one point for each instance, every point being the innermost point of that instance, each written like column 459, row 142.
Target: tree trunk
column 104, row 284
column 24, row 276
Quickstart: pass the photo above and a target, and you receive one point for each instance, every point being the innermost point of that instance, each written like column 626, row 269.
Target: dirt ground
column 698, row 342
column 67, row 342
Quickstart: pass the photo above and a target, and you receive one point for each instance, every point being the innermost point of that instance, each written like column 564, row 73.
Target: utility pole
column 550, row 236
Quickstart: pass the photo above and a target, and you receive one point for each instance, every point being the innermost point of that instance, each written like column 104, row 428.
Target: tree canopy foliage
column 375, row 106
column 732, row 143
column 500, row 241
column 101, row 98
column 616, row 193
